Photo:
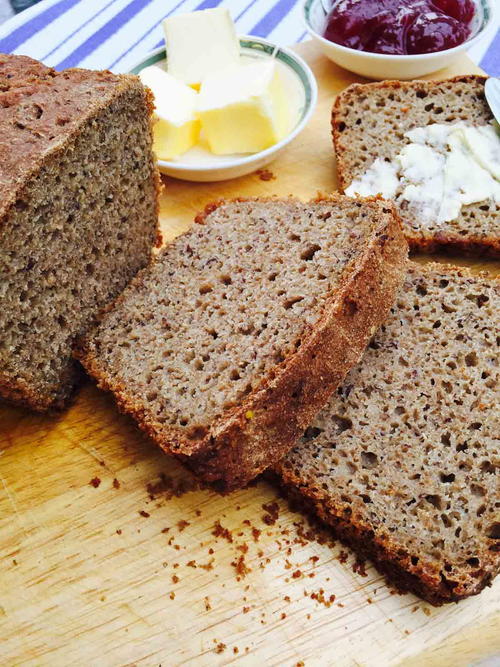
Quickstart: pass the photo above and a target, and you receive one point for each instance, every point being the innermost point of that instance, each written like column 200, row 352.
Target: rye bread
column 369, row 121
column 226, row 348
column 403, row 463
column 78, row 215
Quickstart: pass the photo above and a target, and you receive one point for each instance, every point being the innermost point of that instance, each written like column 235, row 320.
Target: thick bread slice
column 227, row 347
column 404, row 461
column 78, row 215
column 370, row 120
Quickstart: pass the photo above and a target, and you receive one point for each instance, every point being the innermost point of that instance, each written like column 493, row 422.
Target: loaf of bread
column 369, row 121
column 226, row 348
column 404, row 461
column 78, row 214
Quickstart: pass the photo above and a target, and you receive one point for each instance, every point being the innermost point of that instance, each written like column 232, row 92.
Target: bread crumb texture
column 78, row 214
column 404, row 460
column 221, row 329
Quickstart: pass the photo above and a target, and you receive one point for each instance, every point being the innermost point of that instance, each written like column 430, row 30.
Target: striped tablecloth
column 114, row 34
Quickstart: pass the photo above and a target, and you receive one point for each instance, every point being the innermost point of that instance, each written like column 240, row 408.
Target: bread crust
column 258, row 432
column 488, row 246
column 21, row 394
column 395, row 564
column 61, row 117
column 64, row 114
column 448, row 243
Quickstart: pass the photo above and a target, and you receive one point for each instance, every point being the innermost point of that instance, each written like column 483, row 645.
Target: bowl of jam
column 398, row 39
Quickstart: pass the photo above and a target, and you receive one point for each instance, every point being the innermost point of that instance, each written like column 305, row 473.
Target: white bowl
column 198, row 164
column 381, row 66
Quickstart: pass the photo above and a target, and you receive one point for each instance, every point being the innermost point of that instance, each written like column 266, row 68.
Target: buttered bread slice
column 229, row 344
column 433, row 148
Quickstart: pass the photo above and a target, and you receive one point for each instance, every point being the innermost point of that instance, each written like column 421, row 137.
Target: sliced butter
column 199, row 43
column 483, row 142
column 445, row 167
column 243, row 109
column 177, row 128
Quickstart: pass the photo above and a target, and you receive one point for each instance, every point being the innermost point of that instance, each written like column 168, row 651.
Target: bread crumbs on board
column 265, row 175
column 359, row 568
column 241, row 538
column 169, row 487
column 273, row 512
column 241, row 568
column 220, row 648
column 220, row 531
column 207, row 566
column 256, row 533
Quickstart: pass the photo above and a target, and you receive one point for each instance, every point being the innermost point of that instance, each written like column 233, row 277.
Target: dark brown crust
column 488, row 246
column 421, row 578
column 265, row 426
column 471, row 245
column 21, row 394
column 392, row 562
column 82, row 96
column 24, row 81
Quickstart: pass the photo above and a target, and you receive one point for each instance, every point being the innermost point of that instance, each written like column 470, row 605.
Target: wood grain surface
column 102, row 564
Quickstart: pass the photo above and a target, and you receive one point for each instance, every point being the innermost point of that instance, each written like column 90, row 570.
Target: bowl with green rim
column 198, row 164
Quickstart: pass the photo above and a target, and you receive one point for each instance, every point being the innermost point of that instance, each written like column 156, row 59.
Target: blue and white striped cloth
column 115, row 34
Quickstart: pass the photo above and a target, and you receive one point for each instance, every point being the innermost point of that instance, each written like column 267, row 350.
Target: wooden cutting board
column 97, row 570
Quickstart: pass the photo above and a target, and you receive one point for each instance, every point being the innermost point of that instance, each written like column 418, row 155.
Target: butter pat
column 445, row 167
column 199, row 43
column 177, row 128
column 381, row 178
column 243, row 109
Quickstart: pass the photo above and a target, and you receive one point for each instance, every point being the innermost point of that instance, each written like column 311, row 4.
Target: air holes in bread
column 291, row 301
column 369, row 460
column 309, row 252
column 493, row 531
column 311, row 433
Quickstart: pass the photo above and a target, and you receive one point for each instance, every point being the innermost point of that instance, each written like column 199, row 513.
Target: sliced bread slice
column 369, row 121
column 78, row 215
column 227, row 347
column 404, row 461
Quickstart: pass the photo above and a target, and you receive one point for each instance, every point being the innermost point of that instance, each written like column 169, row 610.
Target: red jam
column 400, row 27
